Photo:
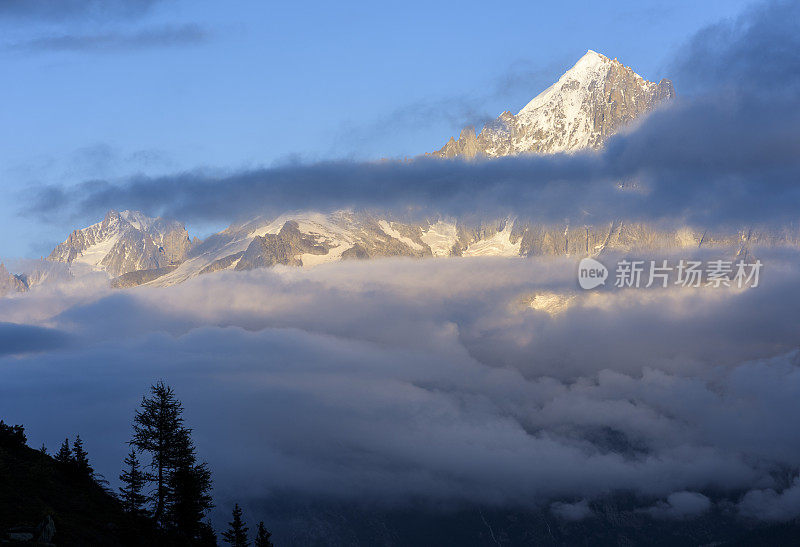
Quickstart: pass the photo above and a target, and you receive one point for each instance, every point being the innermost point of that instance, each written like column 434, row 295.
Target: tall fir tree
column 64, row 454
column 262, row 536
column 182, row 486
column 80, row 458
column 134, row 480
column 236, row 534
column 157, row 429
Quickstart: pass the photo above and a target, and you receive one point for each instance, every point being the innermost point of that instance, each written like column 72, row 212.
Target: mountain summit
column 589, row 103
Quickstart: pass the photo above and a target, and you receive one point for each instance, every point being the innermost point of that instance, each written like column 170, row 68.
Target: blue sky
column 166, row 86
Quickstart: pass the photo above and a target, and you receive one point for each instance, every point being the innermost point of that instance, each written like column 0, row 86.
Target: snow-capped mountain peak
column 589, row 68
column 590, row 102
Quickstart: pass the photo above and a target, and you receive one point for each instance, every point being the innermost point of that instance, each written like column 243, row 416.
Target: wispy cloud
column 65, row 10
column 160, row 37
column 457, row 110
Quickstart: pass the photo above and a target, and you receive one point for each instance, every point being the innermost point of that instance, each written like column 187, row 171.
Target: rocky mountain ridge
column 308, row 239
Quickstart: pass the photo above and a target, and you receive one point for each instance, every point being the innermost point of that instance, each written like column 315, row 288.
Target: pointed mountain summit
column 592, row 101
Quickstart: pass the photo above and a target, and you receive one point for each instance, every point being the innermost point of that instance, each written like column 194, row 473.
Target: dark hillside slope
column 33, row 485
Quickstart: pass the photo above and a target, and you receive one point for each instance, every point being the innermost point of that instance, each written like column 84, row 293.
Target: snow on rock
column 390, row 231
column 441, row 237
column 499, row 244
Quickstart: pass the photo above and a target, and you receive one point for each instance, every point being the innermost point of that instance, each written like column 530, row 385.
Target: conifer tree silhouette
column 80, row 458
column 236, row 534
column 157, row 427
column 134, row 480
column 64, row 454
column 181, row 494
column 262, row 536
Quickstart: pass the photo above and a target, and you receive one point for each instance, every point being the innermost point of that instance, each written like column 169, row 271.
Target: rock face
column 126, row 242
column 223, row 263
column 320, row 238
column 589, row 103
column 139, row 277
column 285, row 248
